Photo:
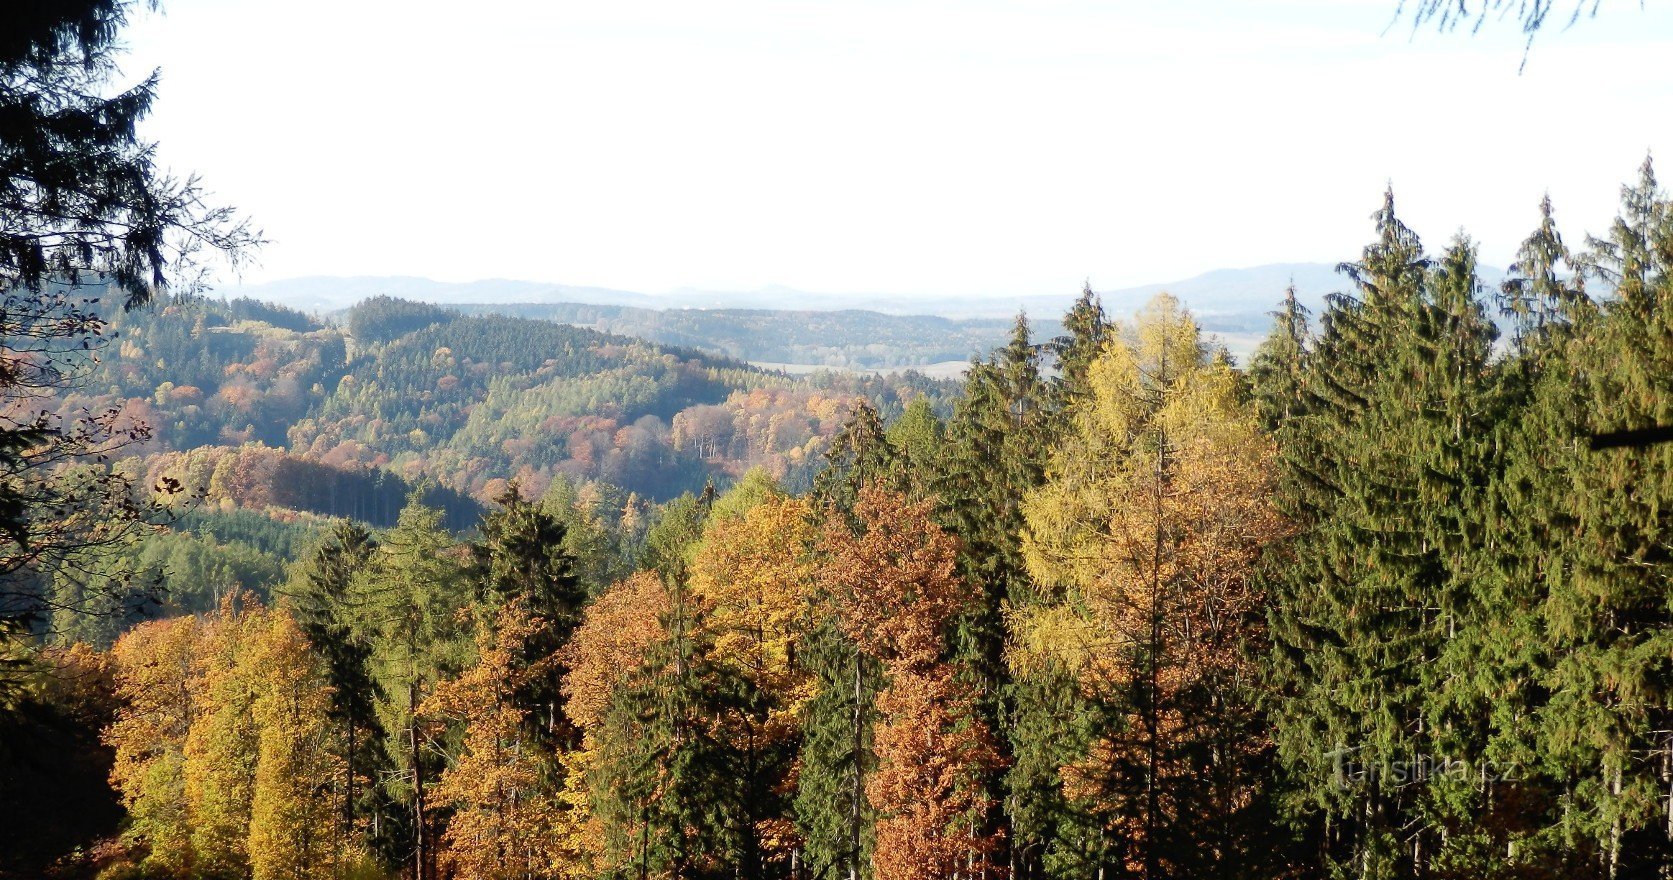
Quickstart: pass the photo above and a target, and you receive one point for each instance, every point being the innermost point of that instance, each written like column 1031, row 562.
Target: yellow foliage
column 751, row 577
column 291, row 818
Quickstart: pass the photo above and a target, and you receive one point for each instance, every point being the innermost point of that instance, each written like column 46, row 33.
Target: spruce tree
column 1608, row 619
column 1276, row 370
column 320, row 599
column 1086, row 331
column 997, row 442
column 521, row 555
column 409, row 596
column 1379, row 473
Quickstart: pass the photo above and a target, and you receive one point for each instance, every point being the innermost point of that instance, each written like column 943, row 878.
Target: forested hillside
column 266, row 423
column 842, row 339
column 1388, row 601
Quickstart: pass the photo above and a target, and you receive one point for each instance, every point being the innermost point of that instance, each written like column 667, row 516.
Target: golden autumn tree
column 1147, row 533
column 153, row 668
column 895, row 590
column 751, row 579
column 221, row 747
column 505, row 813
column 292, row 835
column 612, row 641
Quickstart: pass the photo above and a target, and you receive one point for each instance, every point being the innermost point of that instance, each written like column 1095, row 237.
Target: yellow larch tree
column 292, row 835
column 153, row 667
column 1147, row 533
column 751, row 579
column 222, row 745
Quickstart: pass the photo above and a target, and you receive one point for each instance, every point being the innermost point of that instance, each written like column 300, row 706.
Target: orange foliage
column 504, row 814
column 610, row 643
column 896, row 590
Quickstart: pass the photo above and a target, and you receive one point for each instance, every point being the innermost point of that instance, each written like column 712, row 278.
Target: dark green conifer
column 321, row 599
column 521, row 555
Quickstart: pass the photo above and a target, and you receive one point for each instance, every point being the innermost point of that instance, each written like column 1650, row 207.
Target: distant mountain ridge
column 845, row 331
column 1219, row 291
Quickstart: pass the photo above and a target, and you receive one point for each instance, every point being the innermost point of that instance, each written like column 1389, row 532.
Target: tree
column 1606, row 618
column 997, row 443
column 895, row 591
column 521, row 556
column 1276, row 370
column 1380, row 628
column 290, row 835
column 410, row 596
column 752, row 580
column 221, row 747
column 614, row 639
column 1532, row 15
column 1146, row 534
column 505, row 806
column 153, row 664
column 322, row 602
column 82, row 210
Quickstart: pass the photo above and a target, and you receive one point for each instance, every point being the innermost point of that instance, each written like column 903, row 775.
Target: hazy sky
column 886, row 146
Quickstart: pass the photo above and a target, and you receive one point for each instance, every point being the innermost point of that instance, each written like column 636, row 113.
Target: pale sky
column 906, row 147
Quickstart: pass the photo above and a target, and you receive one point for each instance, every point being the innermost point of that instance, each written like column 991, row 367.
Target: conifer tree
column 1607, row 617
column 997, row 442
column 616, row 635
column 320, row 598
column 751, row 581
column 1155, row 509
column 521, row 556
column 221, row 748
column 409, row 596
column 1386, row 474
column 505, row 806
column 833, row 815
column 1276, row 370
column 1086, row 330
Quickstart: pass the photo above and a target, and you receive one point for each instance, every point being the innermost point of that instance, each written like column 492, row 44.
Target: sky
column 911, row 148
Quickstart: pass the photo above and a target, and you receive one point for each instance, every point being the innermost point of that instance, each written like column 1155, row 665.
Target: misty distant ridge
column 1249, row 292
column 781, row 326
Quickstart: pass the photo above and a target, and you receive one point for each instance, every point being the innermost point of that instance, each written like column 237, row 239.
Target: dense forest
column 846, row 339
column 1388, row 601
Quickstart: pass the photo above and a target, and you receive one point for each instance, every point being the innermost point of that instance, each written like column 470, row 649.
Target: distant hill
column 843, row 331
column 329, row 293
column 1218, row 292
column 265, row 408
